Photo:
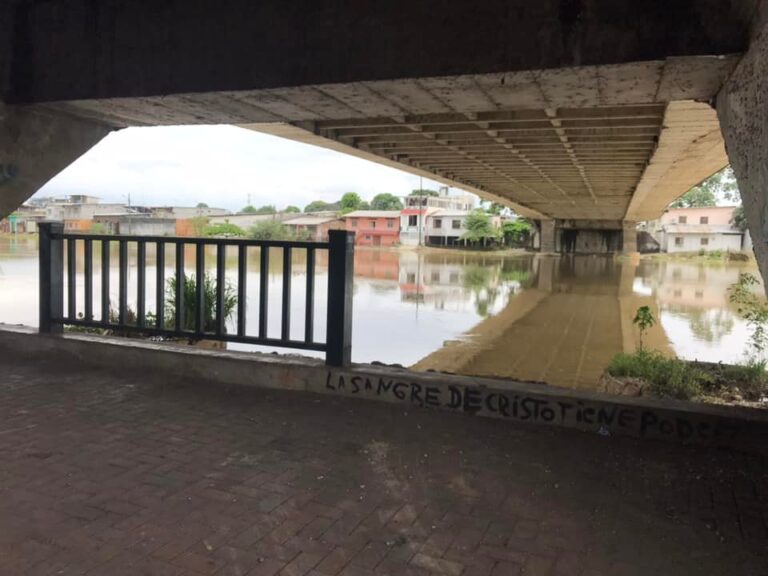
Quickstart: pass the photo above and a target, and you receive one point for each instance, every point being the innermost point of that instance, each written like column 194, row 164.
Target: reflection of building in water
column 695, row 285
column 377, row 265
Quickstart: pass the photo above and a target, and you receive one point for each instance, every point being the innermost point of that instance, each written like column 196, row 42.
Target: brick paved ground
column 118, row 475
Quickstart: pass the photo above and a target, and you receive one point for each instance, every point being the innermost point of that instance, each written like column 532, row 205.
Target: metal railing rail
column 55, row 313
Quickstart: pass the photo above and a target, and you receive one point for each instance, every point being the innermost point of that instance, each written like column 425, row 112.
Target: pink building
column 697, row 229
column 374, row 227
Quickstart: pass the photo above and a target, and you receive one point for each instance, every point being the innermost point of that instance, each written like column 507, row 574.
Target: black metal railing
column 54, row 315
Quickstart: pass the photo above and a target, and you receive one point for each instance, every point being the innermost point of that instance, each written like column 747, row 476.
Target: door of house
column 377, row 240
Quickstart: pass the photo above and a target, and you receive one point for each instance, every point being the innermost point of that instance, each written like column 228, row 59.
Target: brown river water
column 552, row 319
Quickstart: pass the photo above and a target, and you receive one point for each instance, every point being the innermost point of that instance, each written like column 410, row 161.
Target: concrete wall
column 518, row 402
column 743, row 114
column 692, row 242
column 147, row 48
column 34, row 147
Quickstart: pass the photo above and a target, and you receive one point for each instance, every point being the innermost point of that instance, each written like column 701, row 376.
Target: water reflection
column 558, row 320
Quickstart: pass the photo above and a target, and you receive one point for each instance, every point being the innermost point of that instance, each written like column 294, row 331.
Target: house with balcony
column 415, row 216
column 696, row 229
column 374, row 227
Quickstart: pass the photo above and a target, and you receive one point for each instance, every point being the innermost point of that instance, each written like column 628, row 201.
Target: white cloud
column 221, row 165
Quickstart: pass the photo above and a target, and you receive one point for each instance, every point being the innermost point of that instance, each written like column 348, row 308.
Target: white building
column 415, row 223
column 697, row 229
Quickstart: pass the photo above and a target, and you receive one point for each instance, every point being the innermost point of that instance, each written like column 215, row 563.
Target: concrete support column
column 34, row 147
column 743, row 115
column 629, row 237
column 548, row 244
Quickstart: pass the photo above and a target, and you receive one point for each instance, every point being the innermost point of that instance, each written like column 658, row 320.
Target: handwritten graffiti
column 531, row 408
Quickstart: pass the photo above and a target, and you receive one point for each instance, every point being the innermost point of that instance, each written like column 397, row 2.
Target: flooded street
column 552, row 319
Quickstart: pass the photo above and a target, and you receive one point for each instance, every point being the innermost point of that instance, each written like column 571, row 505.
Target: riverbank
column 710, row 257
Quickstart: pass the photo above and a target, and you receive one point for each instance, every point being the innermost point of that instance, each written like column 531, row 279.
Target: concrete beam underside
column 563, row 143
column 569, row 132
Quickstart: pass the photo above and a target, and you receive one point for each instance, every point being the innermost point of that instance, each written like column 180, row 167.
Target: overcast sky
column 221, row 165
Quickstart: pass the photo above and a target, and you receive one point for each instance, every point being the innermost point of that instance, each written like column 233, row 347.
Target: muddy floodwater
column 552, row 319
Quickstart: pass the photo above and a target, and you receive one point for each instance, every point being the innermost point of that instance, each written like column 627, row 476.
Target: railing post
column 51, row 276
column 341, row 269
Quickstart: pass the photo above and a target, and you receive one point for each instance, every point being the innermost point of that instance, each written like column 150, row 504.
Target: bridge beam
column 743, row 115
column 34, row 147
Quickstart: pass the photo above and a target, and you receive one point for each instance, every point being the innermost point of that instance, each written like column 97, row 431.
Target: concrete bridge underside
column 566, row 110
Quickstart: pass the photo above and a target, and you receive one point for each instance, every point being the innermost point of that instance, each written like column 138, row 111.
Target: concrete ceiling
column 606, row 142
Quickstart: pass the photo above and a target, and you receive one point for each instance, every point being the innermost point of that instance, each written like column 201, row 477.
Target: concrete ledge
column 688, row 422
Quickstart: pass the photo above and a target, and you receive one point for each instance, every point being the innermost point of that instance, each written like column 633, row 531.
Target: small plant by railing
column 644, row 320
column 199, row 306
column 190, row 303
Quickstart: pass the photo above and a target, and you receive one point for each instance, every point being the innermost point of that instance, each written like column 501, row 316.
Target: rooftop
column 310, row 220
column 373, row 214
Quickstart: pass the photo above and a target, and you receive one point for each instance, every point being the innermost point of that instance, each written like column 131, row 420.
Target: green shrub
column 190, row 305
column 666, row 377
column 738, row 257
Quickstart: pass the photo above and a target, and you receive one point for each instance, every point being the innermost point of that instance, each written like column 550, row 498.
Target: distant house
column 315, row 228
column 184, row 212
column 136, row 225
column 374, row 227
column 414, row 218
column 696, row 229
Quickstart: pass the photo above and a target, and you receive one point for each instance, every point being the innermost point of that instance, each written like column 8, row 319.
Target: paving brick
column 110, row 474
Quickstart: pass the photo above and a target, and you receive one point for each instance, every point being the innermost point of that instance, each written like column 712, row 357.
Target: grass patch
column 665, row 377
column 674, row 378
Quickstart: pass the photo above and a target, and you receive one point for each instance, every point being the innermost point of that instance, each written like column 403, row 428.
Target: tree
column 386, row 201
column 202, row 205
column 721, row 185
column 423, row 192
column 226, row 229
column 248, row 210
column 292, row 210
column 350, row 202
column 266, row 209
column 495, row 208
column 516, row 232
column 479, row 228
column 269, row 230
column 320, row 206
column 739, row 219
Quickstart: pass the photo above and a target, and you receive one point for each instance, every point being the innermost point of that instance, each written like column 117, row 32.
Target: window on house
column 453, row 278
column 679, row 241
column 413, row 220
column 354, row 222
column 705, row 241
column 678, row 293
column 704, row 220
column 373, row 223
column 410, row 278
column 436, row 276
column 438, row 223
column 390, row 223
column 699, row 294
column 682, row 219
column 456, row 224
